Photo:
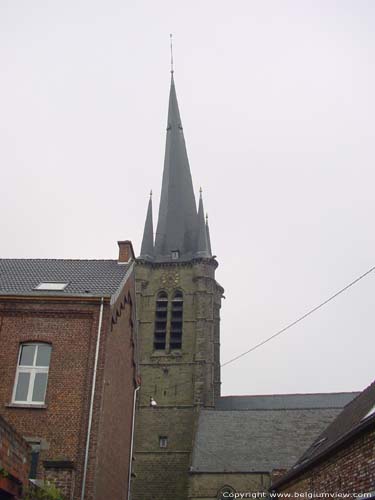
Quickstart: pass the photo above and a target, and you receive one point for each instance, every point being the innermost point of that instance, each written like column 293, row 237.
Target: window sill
column 162, row 354
column 26, row 405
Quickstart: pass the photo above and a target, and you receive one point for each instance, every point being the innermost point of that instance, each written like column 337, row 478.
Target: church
column 190, row 442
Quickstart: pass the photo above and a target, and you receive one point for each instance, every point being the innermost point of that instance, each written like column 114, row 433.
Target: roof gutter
column 54, row 297
column 92, row 399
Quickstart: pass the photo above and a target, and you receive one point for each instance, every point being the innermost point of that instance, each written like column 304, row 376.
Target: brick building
column 67, row 369
column 342, row 458
column 14, row 462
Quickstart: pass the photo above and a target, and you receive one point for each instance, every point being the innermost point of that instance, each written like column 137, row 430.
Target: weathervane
column 171, row 38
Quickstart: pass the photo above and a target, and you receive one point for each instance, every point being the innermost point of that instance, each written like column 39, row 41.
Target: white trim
column 33, row 370
column 92, row 399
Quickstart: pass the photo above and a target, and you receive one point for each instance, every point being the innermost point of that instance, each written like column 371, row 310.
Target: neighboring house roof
column 356, row 417
column 103, row 278
column 270, row 435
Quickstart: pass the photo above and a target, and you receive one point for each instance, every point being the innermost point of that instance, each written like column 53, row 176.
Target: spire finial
column 200, row 192
column 171, row 45
column 151, row 193
column 206, row 218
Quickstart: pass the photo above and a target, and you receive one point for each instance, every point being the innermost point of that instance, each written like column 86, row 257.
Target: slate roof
column 349, row 422
column 286, row 401
column 84, row 277
column 270, row 435
column 179, row 225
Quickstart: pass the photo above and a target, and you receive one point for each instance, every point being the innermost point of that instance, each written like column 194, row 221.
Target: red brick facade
column 70, row 326
column 14, row 462
column 350, row 469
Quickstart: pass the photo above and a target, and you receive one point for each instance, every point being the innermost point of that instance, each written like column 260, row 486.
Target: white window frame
column 163, row 441
column 33, row 370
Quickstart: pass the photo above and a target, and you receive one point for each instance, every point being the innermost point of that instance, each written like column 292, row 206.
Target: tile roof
column 84, row 277
column 351, row 420
column 266, row 433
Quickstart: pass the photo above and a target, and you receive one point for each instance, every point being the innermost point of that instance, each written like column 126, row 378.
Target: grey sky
column 277, row 103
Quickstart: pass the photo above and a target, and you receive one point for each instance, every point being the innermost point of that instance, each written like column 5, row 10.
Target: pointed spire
column 202, row 243
column 147, row 248
column 177, row 223
column 208, row 236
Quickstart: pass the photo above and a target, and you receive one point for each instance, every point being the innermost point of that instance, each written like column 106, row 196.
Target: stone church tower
column 178, row 304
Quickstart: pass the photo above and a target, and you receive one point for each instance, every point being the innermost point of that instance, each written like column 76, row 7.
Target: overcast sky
column 277, row 102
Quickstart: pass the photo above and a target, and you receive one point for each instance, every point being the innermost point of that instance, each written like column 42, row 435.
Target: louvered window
column 176, row 320
column 161, row 316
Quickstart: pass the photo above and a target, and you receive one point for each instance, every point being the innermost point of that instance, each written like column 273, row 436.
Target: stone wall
column 203, row 486
column 179, row 380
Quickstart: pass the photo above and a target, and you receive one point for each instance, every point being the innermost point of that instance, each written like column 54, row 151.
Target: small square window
column 163, row 441
column 175, row 254
column 51, row 286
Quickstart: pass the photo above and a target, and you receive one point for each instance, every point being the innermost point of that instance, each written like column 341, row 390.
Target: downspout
column 92, row 399
column 132, row 441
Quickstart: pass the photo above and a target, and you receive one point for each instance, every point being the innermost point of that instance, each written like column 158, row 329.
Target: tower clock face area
column 170, row 279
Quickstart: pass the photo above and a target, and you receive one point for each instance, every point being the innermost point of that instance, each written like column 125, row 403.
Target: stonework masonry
column 209, row 485
column 180, row 381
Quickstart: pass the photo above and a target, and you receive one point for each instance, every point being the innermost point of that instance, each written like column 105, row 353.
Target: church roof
column 286, row 401
column 180, row 228
column 357, row 416
column 101, row 278
column 265, row 433
column 147, row 248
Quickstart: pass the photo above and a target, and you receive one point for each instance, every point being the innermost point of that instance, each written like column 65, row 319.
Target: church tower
column 178, row 308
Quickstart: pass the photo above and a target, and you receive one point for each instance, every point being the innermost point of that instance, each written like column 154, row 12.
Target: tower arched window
column 177, row 320
column 161, row 315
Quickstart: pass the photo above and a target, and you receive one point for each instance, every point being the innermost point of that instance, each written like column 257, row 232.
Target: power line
column 301, row 318
column 283, row 330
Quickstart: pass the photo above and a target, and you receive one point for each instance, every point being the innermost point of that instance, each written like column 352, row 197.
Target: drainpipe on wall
column 92, row 399
column 132, row 441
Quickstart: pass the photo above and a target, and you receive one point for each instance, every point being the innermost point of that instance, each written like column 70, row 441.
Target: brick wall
column 61, row 424
column 349, row 470
column 14, row 460
column 71, row 329
column 114, row 439
column 63, row 476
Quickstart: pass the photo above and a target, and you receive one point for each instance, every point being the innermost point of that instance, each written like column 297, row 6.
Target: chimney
column 126, row 252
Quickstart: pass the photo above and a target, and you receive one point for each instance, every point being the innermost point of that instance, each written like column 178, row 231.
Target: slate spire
column 147, row 248
column 202, row 243
column 176, row 233
column 208, row 236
